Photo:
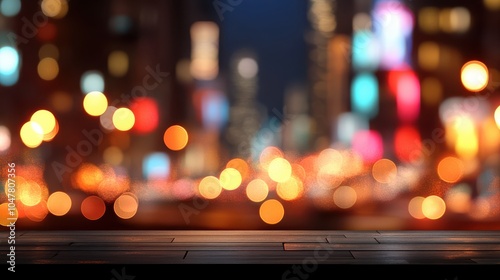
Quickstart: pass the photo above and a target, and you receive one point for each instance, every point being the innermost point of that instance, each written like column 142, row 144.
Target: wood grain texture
column 255, row 247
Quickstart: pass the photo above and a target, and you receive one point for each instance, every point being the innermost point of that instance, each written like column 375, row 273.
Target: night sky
column 275, row 32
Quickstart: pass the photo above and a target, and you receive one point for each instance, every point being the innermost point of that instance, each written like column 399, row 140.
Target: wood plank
column 439, row 239
column 254, row 246
column 355, row 240
column 449, row 255
column 154, row 246
column 93, row 232
column 250, row 238
column 416, row 239
column 111, row 257
column 357, row 233
column 90, row 238
column 392, row 247
column 442, row 233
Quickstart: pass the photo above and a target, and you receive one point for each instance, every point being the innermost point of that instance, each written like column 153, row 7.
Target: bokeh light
column 384, row 171
column 126, row 205
column 118, row 63
column 123, row 119
column 55, row 8
column 95, row 103
column 365, row 95
column 407, row 144
column 290, row 189
column 230, row 178
column 93, row 207
column 113, row 155
column 248, row 67
column 415, row 207
column 29, row 192
column 156, row 166
column 408, row 97
column 450, row 169
column 345, row 197
column 280, row 170
column 9, row 60
column 87, row 177
column 433, row 207
column 92, row 80
column 460, row 19
column 146, row 114
column 59, row 203
column 48, row 68
column 7, row 214
column 474, row 75
column 497, row 116
column 271, row 211
column 175, row 137
column 5, row 138
column 369, row 144
column 493, row 5
column 47, row 122
column 31, row 134
column 210, row 187
column 106, row 119
column 10, row 8
column 257, row 190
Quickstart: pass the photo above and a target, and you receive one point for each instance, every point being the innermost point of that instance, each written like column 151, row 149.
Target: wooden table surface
column 280, row 247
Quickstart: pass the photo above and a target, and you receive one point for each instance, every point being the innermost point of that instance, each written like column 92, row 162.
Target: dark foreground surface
column 276, row 254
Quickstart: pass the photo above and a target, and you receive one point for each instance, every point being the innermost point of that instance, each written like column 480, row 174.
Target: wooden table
column 307, row 249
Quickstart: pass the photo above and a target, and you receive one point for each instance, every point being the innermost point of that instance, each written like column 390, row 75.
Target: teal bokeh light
column 10, row 8
column 365, row 95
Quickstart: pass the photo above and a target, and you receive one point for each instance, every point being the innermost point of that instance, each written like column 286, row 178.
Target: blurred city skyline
column 309, row 114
